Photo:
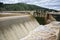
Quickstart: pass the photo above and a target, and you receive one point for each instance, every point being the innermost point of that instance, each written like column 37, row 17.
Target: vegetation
column 1, row 5
column 22, row 7
column 25, row 7
column 40, row 20
column 57, row 17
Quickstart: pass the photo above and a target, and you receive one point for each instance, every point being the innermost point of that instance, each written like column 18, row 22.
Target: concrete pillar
column 49, row 18
column 46, row 16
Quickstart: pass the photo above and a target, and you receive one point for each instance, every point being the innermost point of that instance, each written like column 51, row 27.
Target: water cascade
column 25, row 27
column 16, row 27
column 45, row 32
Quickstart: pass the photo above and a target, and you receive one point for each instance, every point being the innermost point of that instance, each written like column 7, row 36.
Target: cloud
column 9, row 1
column 53, row 4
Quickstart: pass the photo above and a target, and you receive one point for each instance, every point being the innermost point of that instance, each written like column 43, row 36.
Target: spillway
column 16, row 27
column 25, row 27
column 45, row 32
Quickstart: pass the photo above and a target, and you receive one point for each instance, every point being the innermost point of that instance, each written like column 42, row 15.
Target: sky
column 51, row 4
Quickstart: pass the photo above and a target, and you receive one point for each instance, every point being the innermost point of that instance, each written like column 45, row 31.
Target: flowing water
column 25, row 27
column 16, row 27
column 45, row 32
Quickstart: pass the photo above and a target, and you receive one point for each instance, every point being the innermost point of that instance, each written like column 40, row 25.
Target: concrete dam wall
column 16, row 27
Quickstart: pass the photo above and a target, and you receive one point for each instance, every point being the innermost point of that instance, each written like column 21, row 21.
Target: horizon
column 51, row 4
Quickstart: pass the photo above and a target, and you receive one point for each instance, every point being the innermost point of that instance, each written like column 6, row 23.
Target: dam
column 16, row 27
column 25, row 27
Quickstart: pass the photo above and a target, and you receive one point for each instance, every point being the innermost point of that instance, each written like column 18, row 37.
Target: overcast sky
column 52, row 4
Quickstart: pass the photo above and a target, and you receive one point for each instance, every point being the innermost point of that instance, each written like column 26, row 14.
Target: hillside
column 21, row 7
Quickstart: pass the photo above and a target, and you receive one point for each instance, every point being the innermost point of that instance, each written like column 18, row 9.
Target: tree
column 1, row 4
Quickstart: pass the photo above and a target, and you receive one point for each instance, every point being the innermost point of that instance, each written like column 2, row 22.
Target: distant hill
column 22, row 7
